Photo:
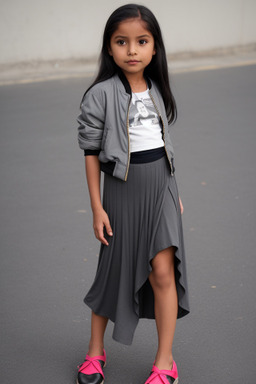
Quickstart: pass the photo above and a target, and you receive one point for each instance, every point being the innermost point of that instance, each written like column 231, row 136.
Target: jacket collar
column 126, row 84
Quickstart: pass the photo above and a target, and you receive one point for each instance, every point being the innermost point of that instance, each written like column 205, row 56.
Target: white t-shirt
column 144, row 125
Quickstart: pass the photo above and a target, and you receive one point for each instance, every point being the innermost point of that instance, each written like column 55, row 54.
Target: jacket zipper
column 160, row 116
column 128, row 135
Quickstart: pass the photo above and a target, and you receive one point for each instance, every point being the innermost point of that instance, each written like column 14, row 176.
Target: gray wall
column 62, row 29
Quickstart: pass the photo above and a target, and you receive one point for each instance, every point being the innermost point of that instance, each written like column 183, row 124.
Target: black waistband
column 147, row 156
column 138, row 158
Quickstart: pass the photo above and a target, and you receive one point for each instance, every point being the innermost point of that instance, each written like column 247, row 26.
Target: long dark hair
column 157, row 70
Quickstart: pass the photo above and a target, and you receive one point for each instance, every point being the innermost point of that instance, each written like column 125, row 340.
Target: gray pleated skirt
column 145, row 216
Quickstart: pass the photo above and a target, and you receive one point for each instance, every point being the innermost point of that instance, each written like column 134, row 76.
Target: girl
column 141, row 271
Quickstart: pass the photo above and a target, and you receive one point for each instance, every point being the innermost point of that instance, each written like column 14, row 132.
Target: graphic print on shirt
column 144, row 124
column 142, row 112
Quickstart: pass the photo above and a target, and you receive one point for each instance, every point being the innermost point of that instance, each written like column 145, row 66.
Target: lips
column 132, row 62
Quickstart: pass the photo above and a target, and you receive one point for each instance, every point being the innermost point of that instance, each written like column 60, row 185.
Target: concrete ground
column 49, row 253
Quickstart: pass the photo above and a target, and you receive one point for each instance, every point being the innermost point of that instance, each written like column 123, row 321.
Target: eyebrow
column 137, row 37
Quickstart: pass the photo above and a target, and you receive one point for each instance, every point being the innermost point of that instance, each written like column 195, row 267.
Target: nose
column 131, row 49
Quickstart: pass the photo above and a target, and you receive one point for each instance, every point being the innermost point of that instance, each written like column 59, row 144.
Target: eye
column 142, row 41
column 121, row 42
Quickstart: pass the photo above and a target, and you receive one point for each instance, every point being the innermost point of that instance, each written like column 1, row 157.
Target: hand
column 100, row 219
column 181, row 206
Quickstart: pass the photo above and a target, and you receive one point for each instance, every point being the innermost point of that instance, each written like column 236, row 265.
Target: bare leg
column 98, row 327
column 162, row 280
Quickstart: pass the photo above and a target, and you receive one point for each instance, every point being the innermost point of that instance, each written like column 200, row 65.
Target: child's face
column 132, row 46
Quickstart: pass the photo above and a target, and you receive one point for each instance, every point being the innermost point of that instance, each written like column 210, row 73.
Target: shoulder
column 95, row 99
column 102, row 88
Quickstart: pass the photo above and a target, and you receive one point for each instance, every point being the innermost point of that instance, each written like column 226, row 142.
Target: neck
column 137, row 82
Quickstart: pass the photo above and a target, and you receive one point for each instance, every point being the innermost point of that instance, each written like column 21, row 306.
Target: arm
column 100, row 217
column 91, row 123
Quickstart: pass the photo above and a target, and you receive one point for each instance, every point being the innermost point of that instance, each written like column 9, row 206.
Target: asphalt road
column 49, row 253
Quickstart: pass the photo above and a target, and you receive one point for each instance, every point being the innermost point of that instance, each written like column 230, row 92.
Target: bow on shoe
column 91, row 365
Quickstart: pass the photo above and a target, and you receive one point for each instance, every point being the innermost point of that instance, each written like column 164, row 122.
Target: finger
column 101, row 237
column 108, row 228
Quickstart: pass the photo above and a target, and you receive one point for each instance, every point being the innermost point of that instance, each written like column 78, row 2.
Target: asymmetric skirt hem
column 145, row 216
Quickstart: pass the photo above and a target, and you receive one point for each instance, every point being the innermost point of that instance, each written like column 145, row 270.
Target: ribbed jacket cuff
column 91, row 152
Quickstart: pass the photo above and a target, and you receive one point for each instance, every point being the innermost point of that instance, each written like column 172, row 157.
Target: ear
column 110, row 52
column 154, row 52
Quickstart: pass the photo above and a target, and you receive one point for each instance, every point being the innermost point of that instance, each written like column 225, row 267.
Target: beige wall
column 61, row 29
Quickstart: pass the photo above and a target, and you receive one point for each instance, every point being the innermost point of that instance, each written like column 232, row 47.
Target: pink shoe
column 163, row 376
column 91, row 371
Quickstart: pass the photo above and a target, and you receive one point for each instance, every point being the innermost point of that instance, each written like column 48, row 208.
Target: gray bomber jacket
column 104, row 124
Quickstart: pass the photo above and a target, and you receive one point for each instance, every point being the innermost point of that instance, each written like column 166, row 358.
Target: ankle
column 164, row 361
column 95, row 349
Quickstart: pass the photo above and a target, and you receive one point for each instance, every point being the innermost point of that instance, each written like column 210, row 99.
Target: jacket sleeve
column 91, row 123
